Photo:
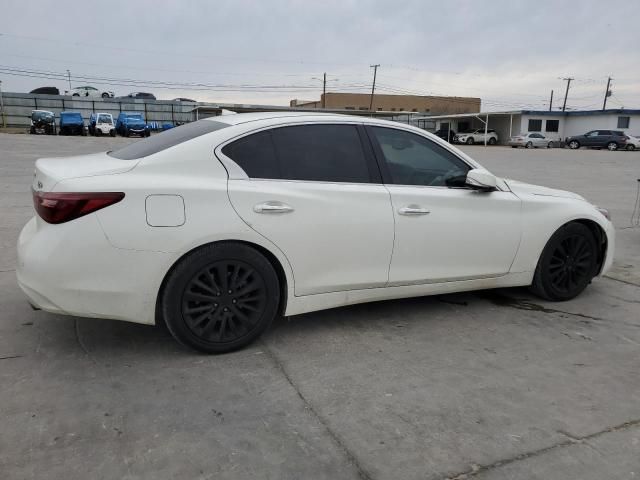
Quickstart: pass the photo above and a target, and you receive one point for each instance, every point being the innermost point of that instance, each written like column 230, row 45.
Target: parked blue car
column 71, row 123
column 129, row 124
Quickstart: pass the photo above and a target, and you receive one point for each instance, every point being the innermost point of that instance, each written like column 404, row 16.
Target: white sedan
column 530, row 140
column 89, row 92
column 218, row 226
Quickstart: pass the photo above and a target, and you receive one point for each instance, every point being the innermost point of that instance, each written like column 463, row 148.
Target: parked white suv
column 89, row 92
column 477, row 136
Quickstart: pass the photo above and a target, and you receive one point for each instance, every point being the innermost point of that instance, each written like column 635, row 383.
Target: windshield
column 166, row 139
column 71, row 116
column 105, row 119
column 135, row 117
column 36, row 116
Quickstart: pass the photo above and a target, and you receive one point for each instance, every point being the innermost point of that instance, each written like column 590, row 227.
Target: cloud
column 510, row 54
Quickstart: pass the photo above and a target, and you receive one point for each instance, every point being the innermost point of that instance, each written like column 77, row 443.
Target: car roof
column 282, row 117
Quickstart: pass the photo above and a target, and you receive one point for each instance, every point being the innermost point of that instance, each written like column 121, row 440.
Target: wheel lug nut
column 230, row 291
column 234, row 300
column 226, row 309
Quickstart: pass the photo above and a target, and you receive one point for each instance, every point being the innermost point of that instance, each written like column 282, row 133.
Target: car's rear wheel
column 612, row 146
column 574, row 144
column 220, row 298
column 567, row 264
column 529, row 145
column 470, row 141
column 631, row 147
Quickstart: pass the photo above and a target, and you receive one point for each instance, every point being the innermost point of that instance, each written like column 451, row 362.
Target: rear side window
column 324, row 153
column 167, row 139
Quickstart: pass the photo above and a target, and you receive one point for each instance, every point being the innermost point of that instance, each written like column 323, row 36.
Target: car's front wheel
column 220, row 298
column 574, row 144
column 492, row 141
column 567, row 264
column 550, row 145
column 470, row 141
column 631, row 147
column 105, row 95
column 529, row 145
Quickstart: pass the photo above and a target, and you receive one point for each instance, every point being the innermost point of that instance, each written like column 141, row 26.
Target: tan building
column 393, row 103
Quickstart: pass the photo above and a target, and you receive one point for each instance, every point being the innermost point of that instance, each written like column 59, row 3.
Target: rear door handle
column 413, row 210
column 272, row 207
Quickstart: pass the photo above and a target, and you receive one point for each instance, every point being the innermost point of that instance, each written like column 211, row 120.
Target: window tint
column 166, row 139
column 255, row 154
column 535, row 125
column 623, row 122
column 324, row 153
column 415, row 160
column 602, row 133
column 330, row 153
column 552, row 125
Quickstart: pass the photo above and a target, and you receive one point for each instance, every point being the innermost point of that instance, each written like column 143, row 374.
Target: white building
column 554, row 125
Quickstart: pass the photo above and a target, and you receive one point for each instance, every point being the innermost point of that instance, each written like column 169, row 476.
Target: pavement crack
column 475, row 469
column 626, row 282
column 8, row 357
column 362, row 473
column 81, row 343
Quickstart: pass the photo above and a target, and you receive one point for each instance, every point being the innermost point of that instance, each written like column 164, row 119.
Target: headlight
column 605, row 213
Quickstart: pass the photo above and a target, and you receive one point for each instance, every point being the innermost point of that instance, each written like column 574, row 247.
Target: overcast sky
column 510, row 54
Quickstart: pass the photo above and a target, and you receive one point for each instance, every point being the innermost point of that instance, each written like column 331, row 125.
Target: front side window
column 322, row 153
column 535, row 125
column 414, row 160
column 623, row 122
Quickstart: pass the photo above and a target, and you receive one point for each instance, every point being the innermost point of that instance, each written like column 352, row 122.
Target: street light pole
column 373, row 87
column 69, row 77
column 607, row 93
column 324, row 90
column 566, row 93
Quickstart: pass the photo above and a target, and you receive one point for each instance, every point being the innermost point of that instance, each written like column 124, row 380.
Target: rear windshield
column 167, row 139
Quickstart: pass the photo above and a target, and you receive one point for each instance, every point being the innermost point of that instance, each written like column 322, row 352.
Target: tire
column 529, row 145
column 127, row 133
column 514, row 146
column 200, row 307
column 574, row 144
column 75, row 95
column 105, row 95
column 112, row 133
column 612, row 146
column 567, row 264
column 492, row 141
column 32, row 130
column 631, row 147
column 469, row 141
column 550, row 145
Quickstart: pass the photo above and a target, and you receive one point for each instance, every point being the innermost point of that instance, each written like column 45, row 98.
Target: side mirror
column 481, row 180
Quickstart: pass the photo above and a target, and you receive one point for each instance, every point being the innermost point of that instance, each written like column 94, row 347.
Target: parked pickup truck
column 477, row 136
column 71, row 123
column 132, row 124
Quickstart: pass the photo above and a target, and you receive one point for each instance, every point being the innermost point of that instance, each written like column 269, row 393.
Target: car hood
column 520, row 188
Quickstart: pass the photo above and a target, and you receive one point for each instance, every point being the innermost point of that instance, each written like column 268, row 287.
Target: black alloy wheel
column 221, row 298
column 568, row 263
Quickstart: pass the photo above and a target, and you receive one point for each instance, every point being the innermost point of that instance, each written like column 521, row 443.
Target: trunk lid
column 50, row 171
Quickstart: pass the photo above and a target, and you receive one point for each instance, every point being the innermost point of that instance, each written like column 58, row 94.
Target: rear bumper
column 72, row 269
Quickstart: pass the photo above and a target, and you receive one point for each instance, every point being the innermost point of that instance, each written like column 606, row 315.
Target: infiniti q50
column 218, row 226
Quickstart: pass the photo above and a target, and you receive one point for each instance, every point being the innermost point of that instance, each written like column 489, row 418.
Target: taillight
column 62, row 207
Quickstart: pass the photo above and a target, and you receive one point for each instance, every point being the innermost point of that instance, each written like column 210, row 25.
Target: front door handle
column 272, row 207
column 413, row 210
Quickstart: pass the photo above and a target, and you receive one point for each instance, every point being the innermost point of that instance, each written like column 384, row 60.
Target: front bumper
column 72, row 269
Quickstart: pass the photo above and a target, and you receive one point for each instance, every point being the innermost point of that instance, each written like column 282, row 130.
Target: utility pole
column 4, row 119
column 69, row 77
column 551, row 101
column 324, row 90
column 607, row 94
column 568, row 80
column 373, row 87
